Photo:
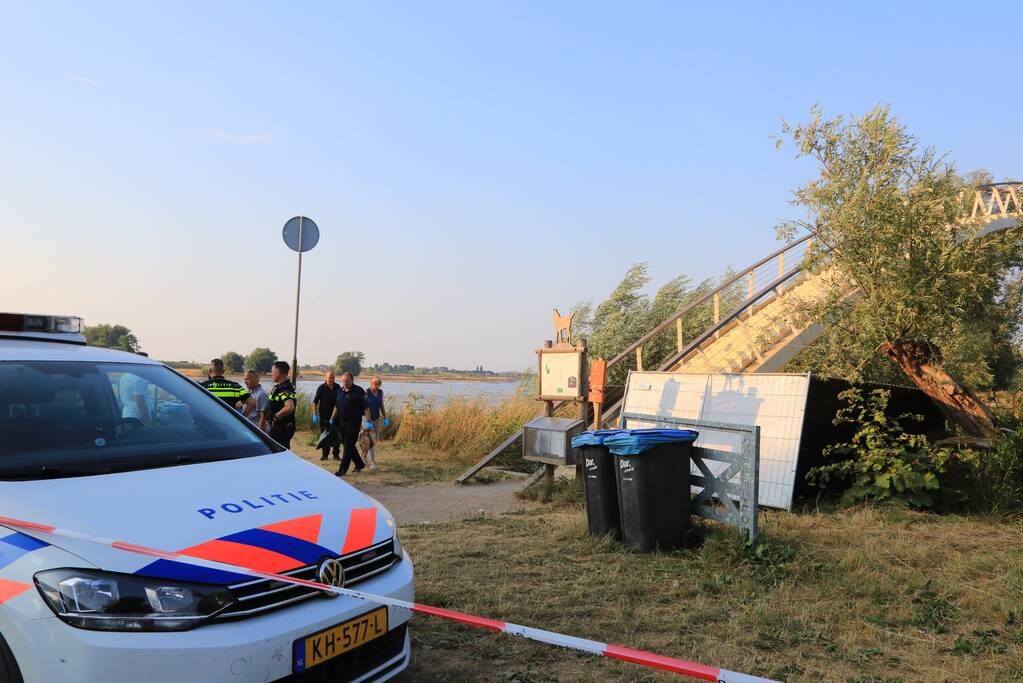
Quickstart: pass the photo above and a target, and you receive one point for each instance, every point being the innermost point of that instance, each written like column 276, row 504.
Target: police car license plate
column 337, row 640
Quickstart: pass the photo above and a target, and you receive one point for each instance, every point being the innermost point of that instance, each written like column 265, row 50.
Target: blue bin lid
column 636, row 441
column 594, row 437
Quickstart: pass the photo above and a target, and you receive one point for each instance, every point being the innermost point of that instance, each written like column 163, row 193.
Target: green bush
column 993, row 479
column 882, row 461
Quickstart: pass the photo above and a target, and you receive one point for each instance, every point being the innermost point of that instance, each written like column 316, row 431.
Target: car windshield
column 65, row 419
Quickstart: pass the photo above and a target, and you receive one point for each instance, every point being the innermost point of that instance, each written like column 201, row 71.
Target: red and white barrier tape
column 648, row 659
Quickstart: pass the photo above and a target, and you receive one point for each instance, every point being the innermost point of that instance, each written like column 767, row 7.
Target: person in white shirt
column 131, row 391
column 254, row 408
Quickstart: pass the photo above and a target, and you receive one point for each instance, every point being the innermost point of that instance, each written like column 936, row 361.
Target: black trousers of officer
column 281, row 431
column 349, row 431
column 332, row 441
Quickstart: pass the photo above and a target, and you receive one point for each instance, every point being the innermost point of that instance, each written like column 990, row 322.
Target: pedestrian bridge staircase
column 758, row 332
column 745, row 324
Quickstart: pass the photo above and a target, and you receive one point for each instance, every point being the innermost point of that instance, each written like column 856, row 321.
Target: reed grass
column 304, row 411
column 467, row 429
column 463, row 429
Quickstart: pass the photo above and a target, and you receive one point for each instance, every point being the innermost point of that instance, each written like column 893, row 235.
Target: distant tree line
column 354, row 362
column 112, row 337
column 406, row 369
column 261, row 358
column 397, row 368
column 233, row 361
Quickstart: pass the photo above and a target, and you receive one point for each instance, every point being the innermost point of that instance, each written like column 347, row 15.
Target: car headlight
column 107, row 601
column 397, row 545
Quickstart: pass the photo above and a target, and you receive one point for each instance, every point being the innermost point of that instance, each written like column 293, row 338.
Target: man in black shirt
column 349, row 412
column 231, row 393
column 280, row 410
column 323, row 403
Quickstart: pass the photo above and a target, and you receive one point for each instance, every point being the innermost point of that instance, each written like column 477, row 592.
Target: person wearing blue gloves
column 378, row 418
column 323, row 407
column 350, row 411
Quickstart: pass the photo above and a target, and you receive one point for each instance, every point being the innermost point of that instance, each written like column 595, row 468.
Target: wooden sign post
column 598, row 376
column 562, row 373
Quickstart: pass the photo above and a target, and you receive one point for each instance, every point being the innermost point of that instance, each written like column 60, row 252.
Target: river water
column 437, row 392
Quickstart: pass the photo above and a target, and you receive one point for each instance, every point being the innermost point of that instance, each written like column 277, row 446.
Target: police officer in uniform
column 280, row 411
column 231, row 393
column 351, row 409
column 323, row 404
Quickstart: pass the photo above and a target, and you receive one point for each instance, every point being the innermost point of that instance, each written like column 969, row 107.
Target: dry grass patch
column 468, row 429
column 862, row 595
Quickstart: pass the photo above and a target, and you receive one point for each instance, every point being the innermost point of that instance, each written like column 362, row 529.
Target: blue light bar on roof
column 28, row 322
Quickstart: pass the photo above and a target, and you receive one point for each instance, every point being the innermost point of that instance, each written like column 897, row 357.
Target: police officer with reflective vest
column 280, row 411
column 231, row 393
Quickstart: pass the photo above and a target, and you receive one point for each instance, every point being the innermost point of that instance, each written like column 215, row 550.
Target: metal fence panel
column 731, row 478
column 774, row 402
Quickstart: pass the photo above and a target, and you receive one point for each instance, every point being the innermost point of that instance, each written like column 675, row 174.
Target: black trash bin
column 602, row 516
column 652, row 474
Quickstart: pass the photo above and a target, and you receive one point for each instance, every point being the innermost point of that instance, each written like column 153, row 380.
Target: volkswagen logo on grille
column 331, row 572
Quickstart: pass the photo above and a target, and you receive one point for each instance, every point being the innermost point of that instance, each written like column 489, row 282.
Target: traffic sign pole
column 300, row 234
column 298, row 298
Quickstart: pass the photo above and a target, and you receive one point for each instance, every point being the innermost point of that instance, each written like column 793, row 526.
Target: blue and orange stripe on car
column 274, row 548
column 13, row 548
column 362, row 526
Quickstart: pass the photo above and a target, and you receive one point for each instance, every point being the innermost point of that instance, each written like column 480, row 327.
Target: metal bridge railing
column 996, row 201
column 694, row 328
column 716, row 306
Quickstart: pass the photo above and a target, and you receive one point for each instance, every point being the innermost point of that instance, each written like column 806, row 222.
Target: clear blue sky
column 470, row 164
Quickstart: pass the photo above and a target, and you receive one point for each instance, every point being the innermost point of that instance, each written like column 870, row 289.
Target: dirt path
column 445, row 502
column 417, row 484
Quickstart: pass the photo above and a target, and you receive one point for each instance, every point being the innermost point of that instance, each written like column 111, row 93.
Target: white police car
column 116, row 445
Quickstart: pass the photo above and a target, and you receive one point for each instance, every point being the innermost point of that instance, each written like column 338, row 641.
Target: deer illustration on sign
column 563, row 327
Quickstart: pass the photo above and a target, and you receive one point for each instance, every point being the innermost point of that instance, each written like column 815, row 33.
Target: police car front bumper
column 255, row 649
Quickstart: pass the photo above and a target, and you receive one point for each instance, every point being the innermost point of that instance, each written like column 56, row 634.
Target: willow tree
column 906, row 274
column 628, row 313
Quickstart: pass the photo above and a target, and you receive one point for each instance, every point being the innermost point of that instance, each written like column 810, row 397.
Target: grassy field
column 863, row 595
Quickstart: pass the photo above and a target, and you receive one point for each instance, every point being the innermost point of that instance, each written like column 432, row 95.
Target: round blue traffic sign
column 301, row 234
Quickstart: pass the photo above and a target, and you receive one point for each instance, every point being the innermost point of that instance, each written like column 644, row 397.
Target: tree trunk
column 921, row 361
